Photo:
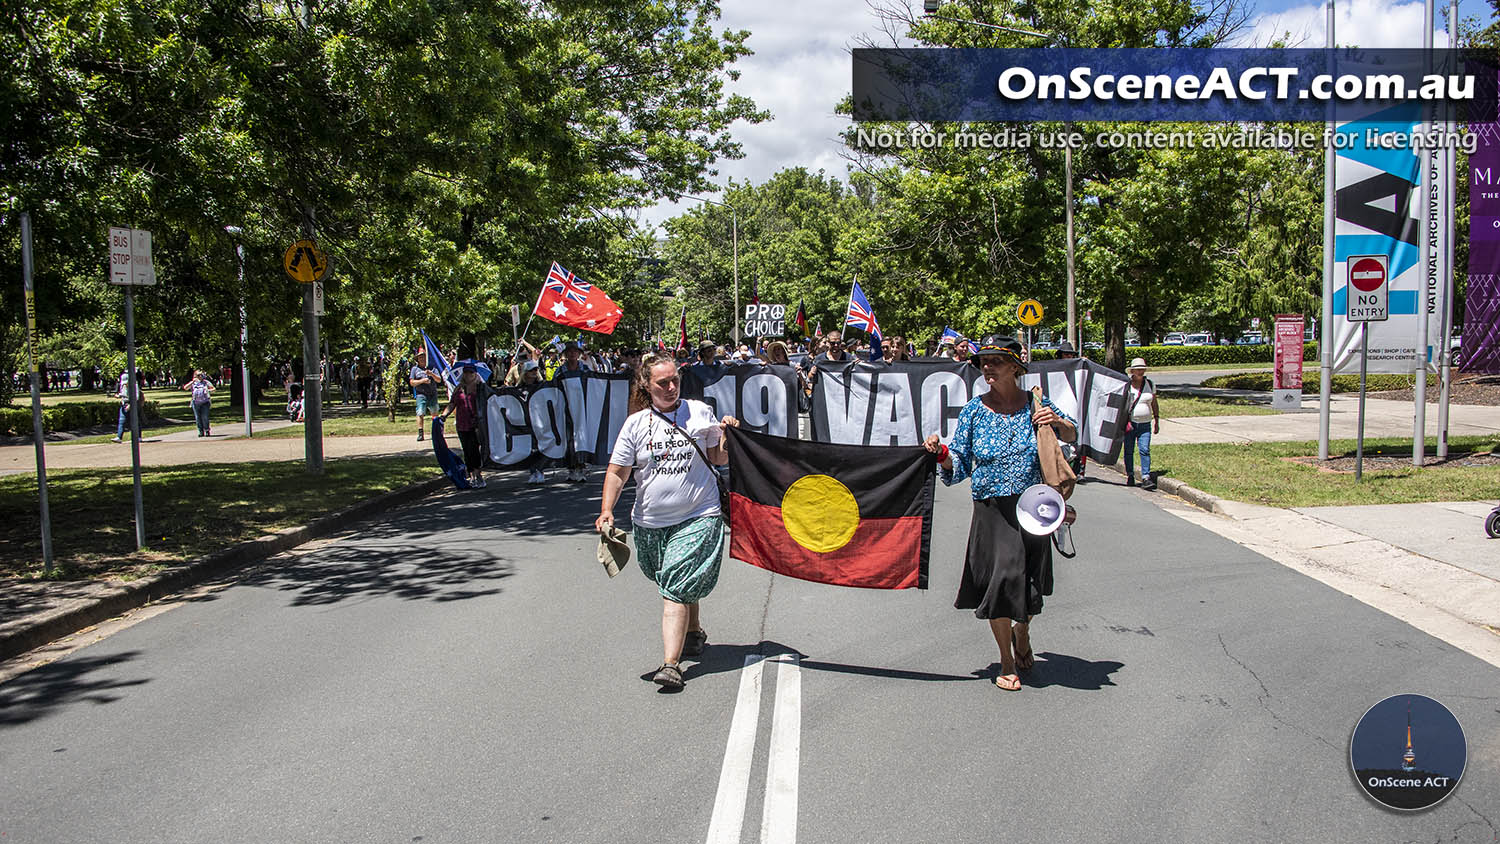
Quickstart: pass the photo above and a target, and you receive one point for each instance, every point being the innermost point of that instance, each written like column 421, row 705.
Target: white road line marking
column 734, row 777
column 779, row 822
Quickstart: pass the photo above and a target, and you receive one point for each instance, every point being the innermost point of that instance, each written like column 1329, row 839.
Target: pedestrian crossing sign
column 1029, row 312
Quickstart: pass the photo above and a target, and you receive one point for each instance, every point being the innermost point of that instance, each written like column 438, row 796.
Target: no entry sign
column 1369, row 278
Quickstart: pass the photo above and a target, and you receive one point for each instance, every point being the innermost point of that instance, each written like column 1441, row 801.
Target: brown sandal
column 668, row 676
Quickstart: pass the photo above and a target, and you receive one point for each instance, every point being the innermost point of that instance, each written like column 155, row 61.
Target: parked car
column 1253, row 338
column 1198, row 340
column 1176, row 338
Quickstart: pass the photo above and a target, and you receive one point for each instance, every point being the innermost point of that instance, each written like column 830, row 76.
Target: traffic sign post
column 38, row 434
column 1029, row 313
column 130, row 266
column 307, row 264
column 1367, row 300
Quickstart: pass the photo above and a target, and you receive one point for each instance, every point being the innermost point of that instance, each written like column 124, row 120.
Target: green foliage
column 70, row 416
column 442, row 155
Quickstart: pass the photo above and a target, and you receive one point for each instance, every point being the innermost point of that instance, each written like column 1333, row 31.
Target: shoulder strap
column 692, row 442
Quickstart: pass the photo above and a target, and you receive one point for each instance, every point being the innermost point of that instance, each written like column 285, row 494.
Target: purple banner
column 1481, row 334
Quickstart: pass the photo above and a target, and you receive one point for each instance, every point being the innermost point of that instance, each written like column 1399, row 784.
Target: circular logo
column 1367, row 274
column 1408, row 752
column 820, row 513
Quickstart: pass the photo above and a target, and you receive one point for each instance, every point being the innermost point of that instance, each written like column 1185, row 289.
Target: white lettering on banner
column 848, row 405
column 1106, row 398
column 894, row 417
column 942, row 392
column 764, row 403
column 587, row 400
column 506, row 449
column 722, row 397
column 1058, row 389
column 547, row 408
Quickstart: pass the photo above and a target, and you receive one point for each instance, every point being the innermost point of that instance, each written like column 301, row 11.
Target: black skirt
column 1006, row 569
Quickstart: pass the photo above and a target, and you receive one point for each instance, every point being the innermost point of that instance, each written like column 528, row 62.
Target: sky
column 801, row 69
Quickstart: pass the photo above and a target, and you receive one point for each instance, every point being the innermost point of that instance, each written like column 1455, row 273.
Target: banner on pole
column 1480, row 351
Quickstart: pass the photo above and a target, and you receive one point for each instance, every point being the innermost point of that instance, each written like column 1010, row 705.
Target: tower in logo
column 1408, row 759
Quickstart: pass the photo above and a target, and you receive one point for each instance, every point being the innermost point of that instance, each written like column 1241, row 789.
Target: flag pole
column 1325, row 337
column 1445, row 234
column 1424, row 300
column 532, row 316
column 850, row 304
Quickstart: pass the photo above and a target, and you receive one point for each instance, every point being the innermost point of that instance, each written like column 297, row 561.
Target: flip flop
column 1008, row 682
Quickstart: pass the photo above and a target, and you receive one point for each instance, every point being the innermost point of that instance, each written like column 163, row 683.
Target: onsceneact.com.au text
column 1256, row 83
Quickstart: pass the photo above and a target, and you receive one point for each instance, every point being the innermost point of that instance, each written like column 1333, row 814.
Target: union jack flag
column 861, row 315
column 567, row 285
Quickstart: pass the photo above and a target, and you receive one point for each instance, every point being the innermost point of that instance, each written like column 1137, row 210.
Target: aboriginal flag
column 848, row 515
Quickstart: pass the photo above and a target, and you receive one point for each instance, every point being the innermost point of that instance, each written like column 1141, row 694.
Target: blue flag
column 435, row 357
column 950, row 336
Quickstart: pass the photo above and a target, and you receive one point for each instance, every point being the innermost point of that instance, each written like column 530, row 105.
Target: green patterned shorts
column 682, row 559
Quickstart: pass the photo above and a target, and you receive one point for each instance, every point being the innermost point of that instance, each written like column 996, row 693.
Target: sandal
column 1008, row 682
column 668, row 676
column 694, row 642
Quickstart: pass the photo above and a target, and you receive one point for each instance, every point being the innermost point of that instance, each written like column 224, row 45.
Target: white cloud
column 801, row 69
column 799, row 72
column 1356, row 23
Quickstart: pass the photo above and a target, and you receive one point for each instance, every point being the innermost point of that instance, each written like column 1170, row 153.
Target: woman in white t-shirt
column 1145, row 420
column 679, row 532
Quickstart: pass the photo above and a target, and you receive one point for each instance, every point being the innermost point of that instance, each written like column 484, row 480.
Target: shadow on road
column 40, row 690
column 1061, row 670
column 717, row 659
column 350, row 571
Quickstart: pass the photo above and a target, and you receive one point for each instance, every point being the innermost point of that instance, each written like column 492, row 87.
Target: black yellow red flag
column 848, row 515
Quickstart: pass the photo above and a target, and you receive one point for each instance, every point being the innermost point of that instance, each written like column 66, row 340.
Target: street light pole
column 239, row 251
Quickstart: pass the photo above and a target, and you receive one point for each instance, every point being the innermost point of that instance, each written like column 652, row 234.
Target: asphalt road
column 465, row 671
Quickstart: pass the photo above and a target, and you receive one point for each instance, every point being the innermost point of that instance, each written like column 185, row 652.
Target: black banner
column 762, row 396
column 901, row 403
column 580, row 414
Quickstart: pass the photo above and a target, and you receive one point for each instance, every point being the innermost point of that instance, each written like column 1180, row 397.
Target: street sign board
column 1367, row 293
column 130, row 257
column 1286, row 378
column 305, row 262
column 318, row 299
column 1029, row 312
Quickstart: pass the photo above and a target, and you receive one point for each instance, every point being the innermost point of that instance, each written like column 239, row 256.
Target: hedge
column 1195, row 355
column 1374, row 383
column 71, row 416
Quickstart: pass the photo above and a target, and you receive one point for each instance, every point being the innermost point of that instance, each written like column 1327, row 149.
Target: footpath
column 1430, row 564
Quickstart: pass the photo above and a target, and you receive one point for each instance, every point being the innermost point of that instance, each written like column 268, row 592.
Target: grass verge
column 190, row 510
column 1174, row 407
column 1261, row 473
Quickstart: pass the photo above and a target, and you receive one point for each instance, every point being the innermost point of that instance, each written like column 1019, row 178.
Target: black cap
column 572, row 344
column 707, row 345
column 1066, row 348
column 1003, row 345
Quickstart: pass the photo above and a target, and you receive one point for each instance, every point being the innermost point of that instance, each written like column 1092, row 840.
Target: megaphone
column 1040, row 510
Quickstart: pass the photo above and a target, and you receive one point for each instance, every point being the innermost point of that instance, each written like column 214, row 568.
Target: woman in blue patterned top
column 1006, row 570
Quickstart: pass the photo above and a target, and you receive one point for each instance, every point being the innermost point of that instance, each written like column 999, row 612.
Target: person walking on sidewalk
column 679, row 532
column 1143, row 420
column 424, row 388
column 363, row 376
column 201, row 387
column 465, row 403
column 1007, row 571
column 123, row 392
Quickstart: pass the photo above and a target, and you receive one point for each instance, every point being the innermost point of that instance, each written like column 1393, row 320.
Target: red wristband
column 944, row 454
